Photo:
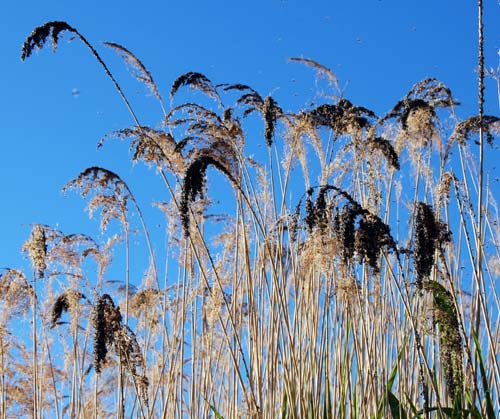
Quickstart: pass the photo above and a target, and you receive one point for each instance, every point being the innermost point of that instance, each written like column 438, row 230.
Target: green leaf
column 327, row 401
column 284, row 409
column 310, row 407
column 213, row 409
column 413, row 408
column 397, row 410
column 490, row 411
column 390, row 383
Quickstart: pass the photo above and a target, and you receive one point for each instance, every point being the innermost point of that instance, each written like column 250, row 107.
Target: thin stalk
column 96, row 379
column 481, row 115
column 479, row 239
column 4, row 392
column 35, row 353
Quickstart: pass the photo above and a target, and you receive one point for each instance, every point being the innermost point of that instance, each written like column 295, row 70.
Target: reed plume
column 489, row 124
column 450, row 341
column 195, row 81
column 36, row 247
column 430, row 234
column 63, row 303
column 38, row 37
column 106, row 320
column 141, row 73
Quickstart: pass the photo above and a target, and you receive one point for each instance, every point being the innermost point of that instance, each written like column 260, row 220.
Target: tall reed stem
column 35, row 352
column 479, row 231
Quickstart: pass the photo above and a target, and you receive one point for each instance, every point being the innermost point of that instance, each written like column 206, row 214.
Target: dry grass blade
column 141, row 74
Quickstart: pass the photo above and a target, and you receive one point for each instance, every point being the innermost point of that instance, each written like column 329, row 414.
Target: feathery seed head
column 40, row 34
column 195, row 81
column 36, row 247
column 106, row 320
column 271, row 112
column 464, row 130
column 64, row 302
column 450, row 340
column 384, row 146
column 429, row 234
column 371, row 237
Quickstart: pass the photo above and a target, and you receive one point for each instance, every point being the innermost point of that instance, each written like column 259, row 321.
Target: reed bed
column 352, row 273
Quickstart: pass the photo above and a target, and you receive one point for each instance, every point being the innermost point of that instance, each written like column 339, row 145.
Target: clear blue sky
column 377, row 48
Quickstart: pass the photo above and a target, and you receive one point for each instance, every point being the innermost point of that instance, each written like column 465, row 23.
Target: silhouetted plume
column 341, row 118
column 432, row 91
column 405, row 107
column 253, row 100
column 129, row 351
column 237, row 86
column 269, row 109
column 426, row 95
column 465, row 129
column 150, row 145
column 62, row 305
column 271, row 112
column 429, row 234
column 106, row 320
column 380, row 143
column 345, row 229
column 194, row 183
column 367, row 240
column 195, row 81
column 39, row 36
column 316, row 214
column 371, row 237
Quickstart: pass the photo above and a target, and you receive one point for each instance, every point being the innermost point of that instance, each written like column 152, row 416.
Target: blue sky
column 377, row 48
